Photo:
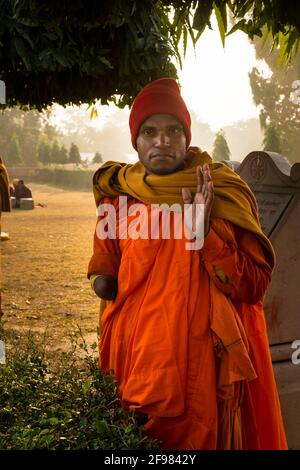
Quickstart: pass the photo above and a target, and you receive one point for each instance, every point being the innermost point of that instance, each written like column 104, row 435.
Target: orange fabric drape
column 4, row 188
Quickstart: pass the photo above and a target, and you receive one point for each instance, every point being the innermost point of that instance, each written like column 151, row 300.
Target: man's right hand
column 204, row 195
column 106, row 287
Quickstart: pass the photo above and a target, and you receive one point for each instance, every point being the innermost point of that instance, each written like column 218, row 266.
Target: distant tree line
column 27, row 139
column 52, row 152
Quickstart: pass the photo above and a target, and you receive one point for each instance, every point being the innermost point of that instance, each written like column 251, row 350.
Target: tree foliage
column 74, row 155
column 58, row 154
column 271, row 141
column 220, row 149
column 97, row 158
column 26, row 126
column 54, row 155
column 27, row 138
column 74, row 52
column 44, row 151
column 31, row 131
column 274, row 96
column 62, row 155
column 13, row 155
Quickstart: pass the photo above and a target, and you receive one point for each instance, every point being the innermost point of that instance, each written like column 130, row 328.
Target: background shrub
column 70, row 404
column 77, row 179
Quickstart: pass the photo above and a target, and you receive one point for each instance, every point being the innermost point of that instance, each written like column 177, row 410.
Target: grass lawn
column 44, row 265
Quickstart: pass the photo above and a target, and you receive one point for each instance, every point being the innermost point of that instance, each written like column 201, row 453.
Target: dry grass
column 44, row 265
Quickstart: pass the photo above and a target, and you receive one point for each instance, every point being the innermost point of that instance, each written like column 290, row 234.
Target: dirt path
column 44, row 265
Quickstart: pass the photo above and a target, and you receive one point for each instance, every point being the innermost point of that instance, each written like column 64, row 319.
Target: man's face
column 161, row 144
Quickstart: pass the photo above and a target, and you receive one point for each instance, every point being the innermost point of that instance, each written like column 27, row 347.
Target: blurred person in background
column 4, row 207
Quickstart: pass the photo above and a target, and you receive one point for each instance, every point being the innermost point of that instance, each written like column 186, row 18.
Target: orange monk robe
column 4, row 202
column 4, row 189
column 157, row 337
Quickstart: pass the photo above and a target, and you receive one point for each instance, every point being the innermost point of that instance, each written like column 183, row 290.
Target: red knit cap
column 160, row 96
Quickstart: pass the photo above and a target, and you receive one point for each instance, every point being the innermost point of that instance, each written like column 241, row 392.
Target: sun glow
column 215, row 81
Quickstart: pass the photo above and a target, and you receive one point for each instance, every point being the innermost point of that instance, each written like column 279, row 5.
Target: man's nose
column 162, row 139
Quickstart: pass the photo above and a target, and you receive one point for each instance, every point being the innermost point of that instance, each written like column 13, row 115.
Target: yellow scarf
column 234, row 200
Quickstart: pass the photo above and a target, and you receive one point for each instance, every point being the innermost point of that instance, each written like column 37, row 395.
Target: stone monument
column 276, row 185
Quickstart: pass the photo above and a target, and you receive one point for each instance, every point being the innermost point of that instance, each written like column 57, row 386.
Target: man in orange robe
column 183, row 329
column 4, row 203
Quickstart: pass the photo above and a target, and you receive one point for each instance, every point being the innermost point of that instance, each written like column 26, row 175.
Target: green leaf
column 51, row 36
column 28, row 38
column 28, row 22
column 265, row 36
column 202, row 15
column 239, row 26
column 53, row 421
column 94, row 113
column 101, row 426
column 106, row 62
column 61, row 59
column 86, row 386
column 221, row 15
column 242, row 7
column 185, row 37
column 44, row 431
column 133, row 8
column 22, row 52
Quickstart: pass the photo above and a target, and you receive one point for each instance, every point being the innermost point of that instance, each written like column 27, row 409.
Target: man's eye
column 148, row 131
column 176, row 130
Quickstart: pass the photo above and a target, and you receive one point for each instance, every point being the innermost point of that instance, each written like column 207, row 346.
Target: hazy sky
column 215, row 81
